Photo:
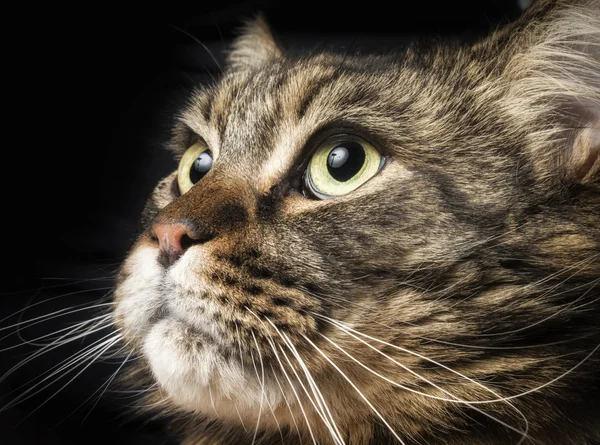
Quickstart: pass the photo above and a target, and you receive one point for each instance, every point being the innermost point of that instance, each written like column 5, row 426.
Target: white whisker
column 293, row 388
column 554, row 314
column 106, row 347
column 105, row 385
column 355, row 388
column 237, row 330
column 71, row 329
column 240, row 416
column 66, row 361
column 262, row 395
column 332, row 299
column 29, row 306
column 524, row 433
column 331, row 425
column 212, row 401
column 287, row 403
column 262, row 370
column 53, row 315
column 49, row 348
column 76, row 360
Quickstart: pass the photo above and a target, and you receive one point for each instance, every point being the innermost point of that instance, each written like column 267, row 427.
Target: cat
column 373, row 249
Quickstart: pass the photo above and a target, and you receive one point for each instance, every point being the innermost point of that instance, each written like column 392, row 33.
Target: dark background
column 91, row 97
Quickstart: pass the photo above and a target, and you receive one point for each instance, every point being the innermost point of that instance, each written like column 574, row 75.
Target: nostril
column 186, row 241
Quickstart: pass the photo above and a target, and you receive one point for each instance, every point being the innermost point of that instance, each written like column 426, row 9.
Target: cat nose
column 173, row 241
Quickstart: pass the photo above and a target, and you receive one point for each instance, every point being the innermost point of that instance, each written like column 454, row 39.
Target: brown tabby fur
column 475, row 250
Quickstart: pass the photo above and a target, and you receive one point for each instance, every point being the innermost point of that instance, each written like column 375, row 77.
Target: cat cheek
column 137, row 296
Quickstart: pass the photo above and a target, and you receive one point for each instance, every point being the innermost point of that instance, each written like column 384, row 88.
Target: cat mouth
column 199, row 327
column 198, row 336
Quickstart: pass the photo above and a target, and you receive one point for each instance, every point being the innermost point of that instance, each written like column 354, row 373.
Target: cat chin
column 197, row 377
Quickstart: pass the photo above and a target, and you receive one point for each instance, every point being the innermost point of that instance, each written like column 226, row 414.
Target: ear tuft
column 254, row 47
column 586, row 154
column 553, row 80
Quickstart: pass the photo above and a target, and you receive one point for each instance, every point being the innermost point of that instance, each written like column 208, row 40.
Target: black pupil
column 201, row 166
column 345, row 160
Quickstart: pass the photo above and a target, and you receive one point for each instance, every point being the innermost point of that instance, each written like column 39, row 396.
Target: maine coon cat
column 380, row 249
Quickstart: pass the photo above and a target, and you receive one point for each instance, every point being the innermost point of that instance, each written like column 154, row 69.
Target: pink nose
column 173, row 240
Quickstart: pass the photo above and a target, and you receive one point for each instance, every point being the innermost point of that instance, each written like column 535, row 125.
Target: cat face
column 376, row 299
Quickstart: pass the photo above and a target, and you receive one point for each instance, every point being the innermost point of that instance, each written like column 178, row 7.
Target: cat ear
column 254, row 47
column 553, row 87
column 585, row 156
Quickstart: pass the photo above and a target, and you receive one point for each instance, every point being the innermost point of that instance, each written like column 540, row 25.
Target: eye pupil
column 201, row 166
column 345, row 160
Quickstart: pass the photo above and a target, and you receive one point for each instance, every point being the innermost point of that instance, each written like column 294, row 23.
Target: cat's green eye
column 194, row 165
column 340, row 165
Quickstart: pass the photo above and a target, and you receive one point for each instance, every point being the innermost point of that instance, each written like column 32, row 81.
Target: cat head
column 377, row 246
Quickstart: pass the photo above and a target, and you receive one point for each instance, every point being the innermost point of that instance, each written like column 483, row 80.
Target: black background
column 91, row 97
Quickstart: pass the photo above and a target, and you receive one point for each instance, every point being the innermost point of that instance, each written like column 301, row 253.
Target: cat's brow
column 192, row 123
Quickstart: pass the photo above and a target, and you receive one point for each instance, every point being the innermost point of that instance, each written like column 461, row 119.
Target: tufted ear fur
column 254, row 47
column 552, row 80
